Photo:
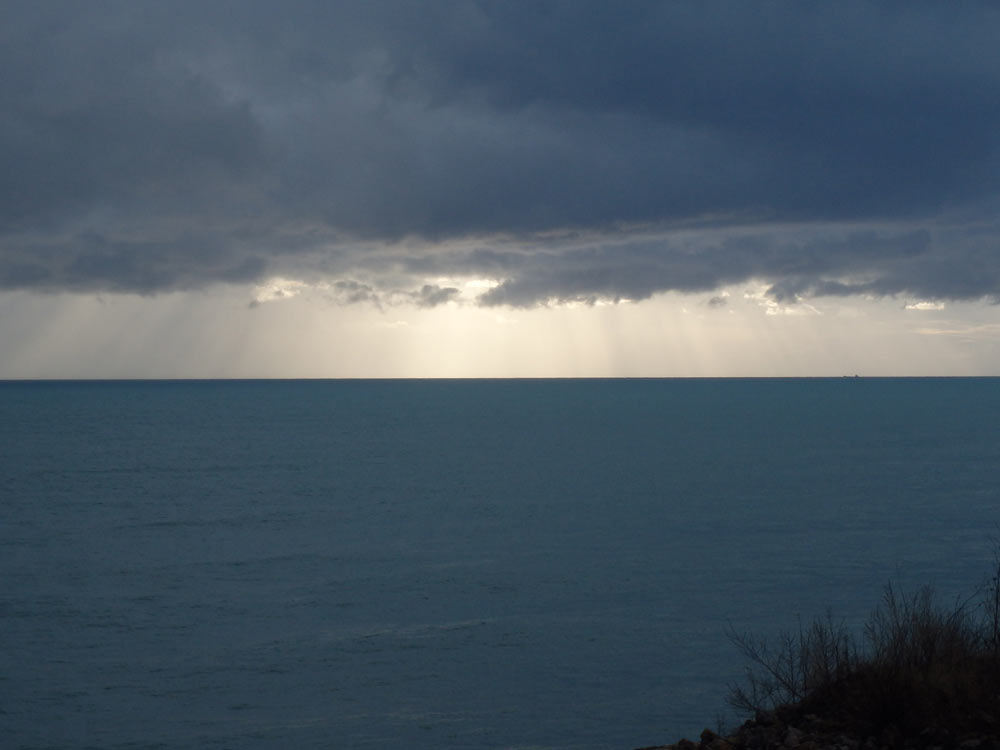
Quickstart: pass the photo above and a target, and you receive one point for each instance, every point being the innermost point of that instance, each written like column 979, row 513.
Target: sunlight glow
column 295, row 329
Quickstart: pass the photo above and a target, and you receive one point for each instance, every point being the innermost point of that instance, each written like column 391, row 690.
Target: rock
column 765, row 717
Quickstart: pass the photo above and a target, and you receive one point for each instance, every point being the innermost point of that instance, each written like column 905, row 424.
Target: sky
column 376, row 188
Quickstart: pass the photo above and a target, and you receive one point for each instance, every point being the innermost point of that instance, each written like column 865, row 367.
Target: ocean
column 444, row 564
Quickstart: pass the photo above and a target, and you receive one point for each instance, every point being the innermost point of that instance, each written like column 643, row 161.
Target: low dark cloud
column 569, row 150
column 432, row 295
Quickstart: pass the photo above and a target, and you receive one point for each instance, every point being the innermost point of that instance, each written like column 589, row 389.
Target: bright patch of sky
column 310, row 333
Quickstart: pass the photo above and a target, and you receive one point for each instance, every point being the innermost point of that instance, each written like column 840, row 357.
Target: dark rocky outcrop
column 790, row 729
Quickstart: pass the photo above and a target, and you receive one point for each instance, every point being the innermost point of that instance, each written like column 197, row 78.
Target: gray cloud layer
column 567, row 149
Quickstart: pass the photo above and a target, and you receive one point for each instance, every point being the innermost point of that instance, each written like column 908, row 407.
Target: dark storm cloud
column 800, row 256
column 582, row 149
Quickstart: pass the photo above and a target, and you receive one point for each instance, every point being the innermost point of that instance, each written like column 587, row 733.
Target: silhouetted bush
column 918, row 666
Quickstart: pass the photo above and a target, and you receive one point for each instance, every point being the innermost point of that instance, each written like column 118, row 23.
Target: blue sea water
column 455, row 564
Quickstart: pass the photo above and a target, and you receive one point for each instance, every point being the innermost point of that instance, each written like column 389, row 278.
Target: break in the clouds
column 562, row 150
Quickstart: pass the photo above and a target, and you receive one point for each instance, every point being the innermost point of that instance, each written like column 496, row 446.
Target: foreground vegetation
column 922, row 675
